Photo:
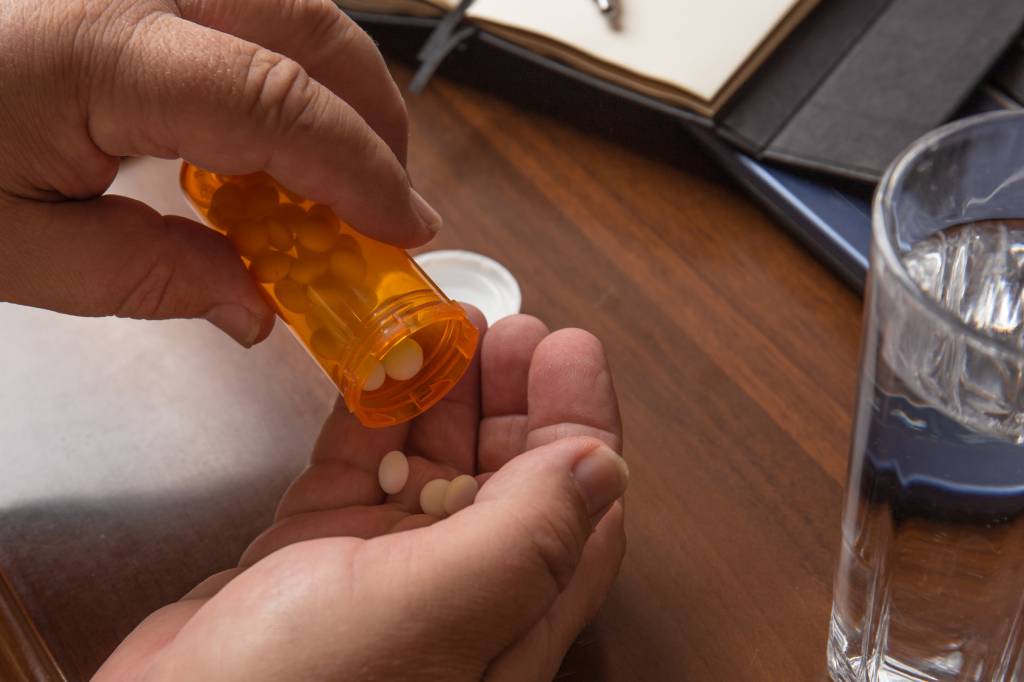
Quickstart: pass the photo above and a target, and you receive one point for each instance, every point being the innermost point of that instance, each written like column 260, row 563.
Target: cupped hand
column 290, row 87
column 351, row 584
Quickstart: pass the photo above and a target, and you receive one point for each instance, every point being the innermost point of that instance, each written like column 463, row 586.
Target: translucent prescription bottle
column 391, row 341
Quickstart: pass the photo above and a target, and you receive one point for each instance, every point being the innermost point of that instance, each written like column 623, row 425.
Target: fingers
column 539, row 653
column 352, row 522
column 571, row 391
column 343, row 468
column 447, row 433
column 506, row 354
column 115, row 256
column 485, row 576
column 133, row 656
column 213, row 584
column 234, row 107
column 326, row 43
column 421, row 471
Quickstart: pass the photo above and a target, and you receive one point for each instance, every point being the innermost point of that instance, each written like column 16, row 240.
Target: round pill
column 393, row 472
column 404, row 361
column 347, row 242
column 347, row 300
column 261, row 198
column 460, row 493
column 291, row 195
column 227, row 203
column 314, row 320
column 432, row 497
column 249, row 237
column 348, row 266
column 316, row 234
column 307, row 267
column 376, row 378
column 290, row 215
column 324, row 214
column 280, row 235
column 292, row 296
column 270, row 266
column 326, row 343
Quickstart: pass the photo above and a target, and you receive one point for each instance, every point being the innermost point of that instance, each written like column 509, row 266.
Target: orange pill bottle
column 385, row 334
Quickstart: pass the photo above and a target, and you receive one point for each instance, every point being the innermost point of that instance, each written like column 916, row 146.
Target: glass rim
column 884, row 224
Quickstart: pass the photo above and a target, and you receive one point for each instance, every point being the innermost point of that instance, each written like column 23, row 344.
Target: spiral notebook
column 689, row 53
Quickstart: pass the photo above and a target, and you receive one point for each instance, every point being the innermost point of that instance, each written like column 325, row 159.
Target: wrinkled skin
column 288, row 87
column 347, row 584
column 350, row 584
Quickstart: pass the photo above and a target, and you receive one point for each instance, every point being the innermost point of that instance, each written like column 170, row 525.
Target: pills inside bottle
column 385, row 334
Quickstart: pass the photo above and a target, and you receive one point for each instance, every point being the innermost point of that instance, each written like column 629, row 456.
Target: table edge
column 24, row 655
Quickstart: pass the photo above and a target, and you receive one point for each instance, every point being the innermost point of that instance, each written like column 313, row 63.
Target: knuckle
column 277, row 89
column 330, row 24
column 322, row 23
column 149, row 294
column 397, row 117
column 147, row 297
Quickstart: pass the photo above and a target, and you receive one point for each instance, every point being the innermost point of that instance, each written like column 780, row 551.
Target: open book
column 690, row 53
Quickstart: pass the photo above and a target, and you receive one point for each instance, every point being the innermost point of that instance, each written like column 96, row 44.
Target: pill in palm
column 393, row 472
column 376, row 378
column 432, row 497
column 460, row 493
column 404, row 361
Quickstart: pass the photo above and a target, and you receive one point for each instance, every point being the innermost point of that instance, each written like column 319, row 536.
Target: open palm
column 498, row 591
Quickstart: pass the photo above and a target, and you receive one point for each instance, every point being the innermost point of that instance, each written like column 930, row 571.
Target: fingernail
column 602, row 476
column 430, row 218
column 236, row 321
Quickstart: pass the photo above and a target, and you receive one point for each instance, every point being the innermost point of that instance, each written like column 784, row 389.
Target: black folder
column 829, row 215
column 850, row 87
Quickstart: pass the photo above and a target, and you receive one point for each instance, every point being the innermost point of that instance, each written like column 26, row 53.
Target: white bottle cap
column 475, row 279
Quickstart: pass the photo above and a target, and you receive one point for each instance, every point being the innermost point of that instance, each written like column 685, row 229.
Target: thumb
column 487, row 574
column 117, row 256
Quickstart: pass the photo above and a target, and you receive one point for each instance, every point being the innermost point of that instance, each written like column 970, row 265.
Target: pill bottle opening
column 448, row 342
column 391, row 341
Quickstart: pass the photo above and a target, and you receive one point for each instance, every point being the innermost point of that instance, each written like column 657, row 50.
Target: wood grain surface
column 140, row 457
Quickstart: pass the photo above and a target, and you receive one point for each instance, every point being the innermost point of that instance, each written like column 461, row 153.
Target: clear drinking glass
column 930, row 581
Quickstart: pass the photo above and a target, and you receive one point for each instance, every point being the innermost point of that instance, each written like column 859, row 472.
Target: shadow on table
column 88, row 570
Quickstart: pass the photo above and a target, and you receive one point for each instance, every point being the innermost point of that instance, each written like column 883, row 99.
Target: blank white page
column 693, row 45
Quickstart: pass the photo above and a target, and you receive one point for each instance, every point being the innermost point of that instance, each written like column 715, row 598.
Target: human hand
column 497, row 591
column 290, row 87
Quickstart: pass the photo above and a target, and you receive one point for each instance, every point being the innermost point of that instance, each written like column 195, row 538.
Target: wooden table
column 140, row 457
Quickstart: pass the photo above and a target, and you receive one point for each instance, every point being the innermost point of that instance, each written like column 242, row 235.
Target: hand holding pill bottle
column 387, row 336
